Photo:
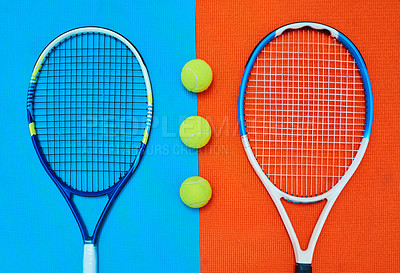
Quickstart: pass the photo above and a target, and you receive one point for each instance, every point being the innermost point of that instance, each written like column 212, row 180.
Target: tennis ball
column 195, row 192
column 195, row 132
column 196, row 75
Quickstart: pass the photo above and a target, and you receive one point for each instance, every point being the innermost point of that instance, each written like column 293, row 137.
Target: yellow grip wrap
column 145, row 137
column 32, row 129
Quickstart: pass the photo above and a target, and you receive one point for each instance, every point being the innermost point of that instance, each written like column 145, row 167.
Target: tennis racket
column 90, row 108
column 305, row 117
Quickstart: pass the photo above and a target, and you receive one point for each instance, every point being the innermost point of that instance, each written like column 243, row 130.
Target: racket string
column 90, row 110
column 304, row 111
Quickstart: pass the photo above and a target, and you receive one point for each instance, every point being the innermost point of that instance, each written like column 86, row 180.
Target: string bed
column 304, row 111
column 90, row 108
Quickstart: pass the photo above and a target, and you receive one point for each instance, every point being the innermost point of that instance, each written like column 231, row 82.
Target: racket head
column 90, row 109
column 305, row 115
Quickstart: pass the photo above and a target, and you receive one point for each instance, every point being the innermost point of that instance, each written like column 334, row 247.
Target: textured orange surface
column 241, row 231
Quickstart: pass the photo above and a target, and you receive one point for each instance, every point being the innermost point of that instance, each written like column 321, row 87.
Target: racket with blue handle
column 90, row 108
column 305, row 118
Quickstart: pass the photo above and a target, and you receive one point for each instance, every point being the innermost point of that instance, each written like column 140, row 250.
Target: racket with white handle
column 90, row 108
column 305, row 117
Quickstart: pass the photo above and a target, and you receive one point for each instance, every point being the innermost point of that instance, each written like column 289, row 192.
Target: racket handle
column 89, row 258
column 303, row 268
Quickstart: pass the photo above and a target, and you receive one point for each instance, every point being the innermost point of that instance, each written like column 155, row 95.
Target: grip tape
column 303, row 268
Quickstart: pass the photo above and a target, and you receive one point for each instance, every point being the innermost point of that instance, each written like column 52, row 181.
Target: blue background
column 148, row 229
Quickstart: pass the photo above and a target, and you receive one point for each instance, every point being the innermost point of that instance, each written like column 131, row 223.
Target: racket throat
column 87, row 212
column 305, row 256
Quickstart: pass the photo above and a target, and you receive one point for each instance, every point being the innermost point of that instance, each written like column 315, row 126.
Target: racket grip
column 89, row 258
column 303, row 268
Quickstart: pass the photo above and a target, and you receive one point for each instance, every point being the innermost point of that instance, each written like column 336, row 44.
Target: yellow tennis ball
column 196, row 75
column 195, row 192
column 195, row 132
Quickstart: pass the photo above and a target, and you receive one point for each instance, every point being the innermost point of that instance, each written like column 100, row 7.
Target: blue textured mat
column 148, row 229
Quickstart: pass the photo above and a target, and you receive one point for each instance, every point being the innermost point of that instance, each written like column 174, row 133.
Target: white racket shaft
column 89, row 258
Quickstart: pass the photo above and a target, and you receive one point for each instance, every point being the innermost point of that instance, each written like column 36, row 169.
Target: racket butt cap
column 303, row 268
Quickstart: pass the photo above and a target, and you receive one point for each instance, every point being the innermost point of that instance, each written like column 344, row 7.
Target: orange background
column 241, row 230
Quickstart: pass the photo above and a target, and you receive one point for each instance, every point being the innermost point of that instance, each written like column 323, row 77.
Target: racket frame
column 66, row 191
column 304, row 257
